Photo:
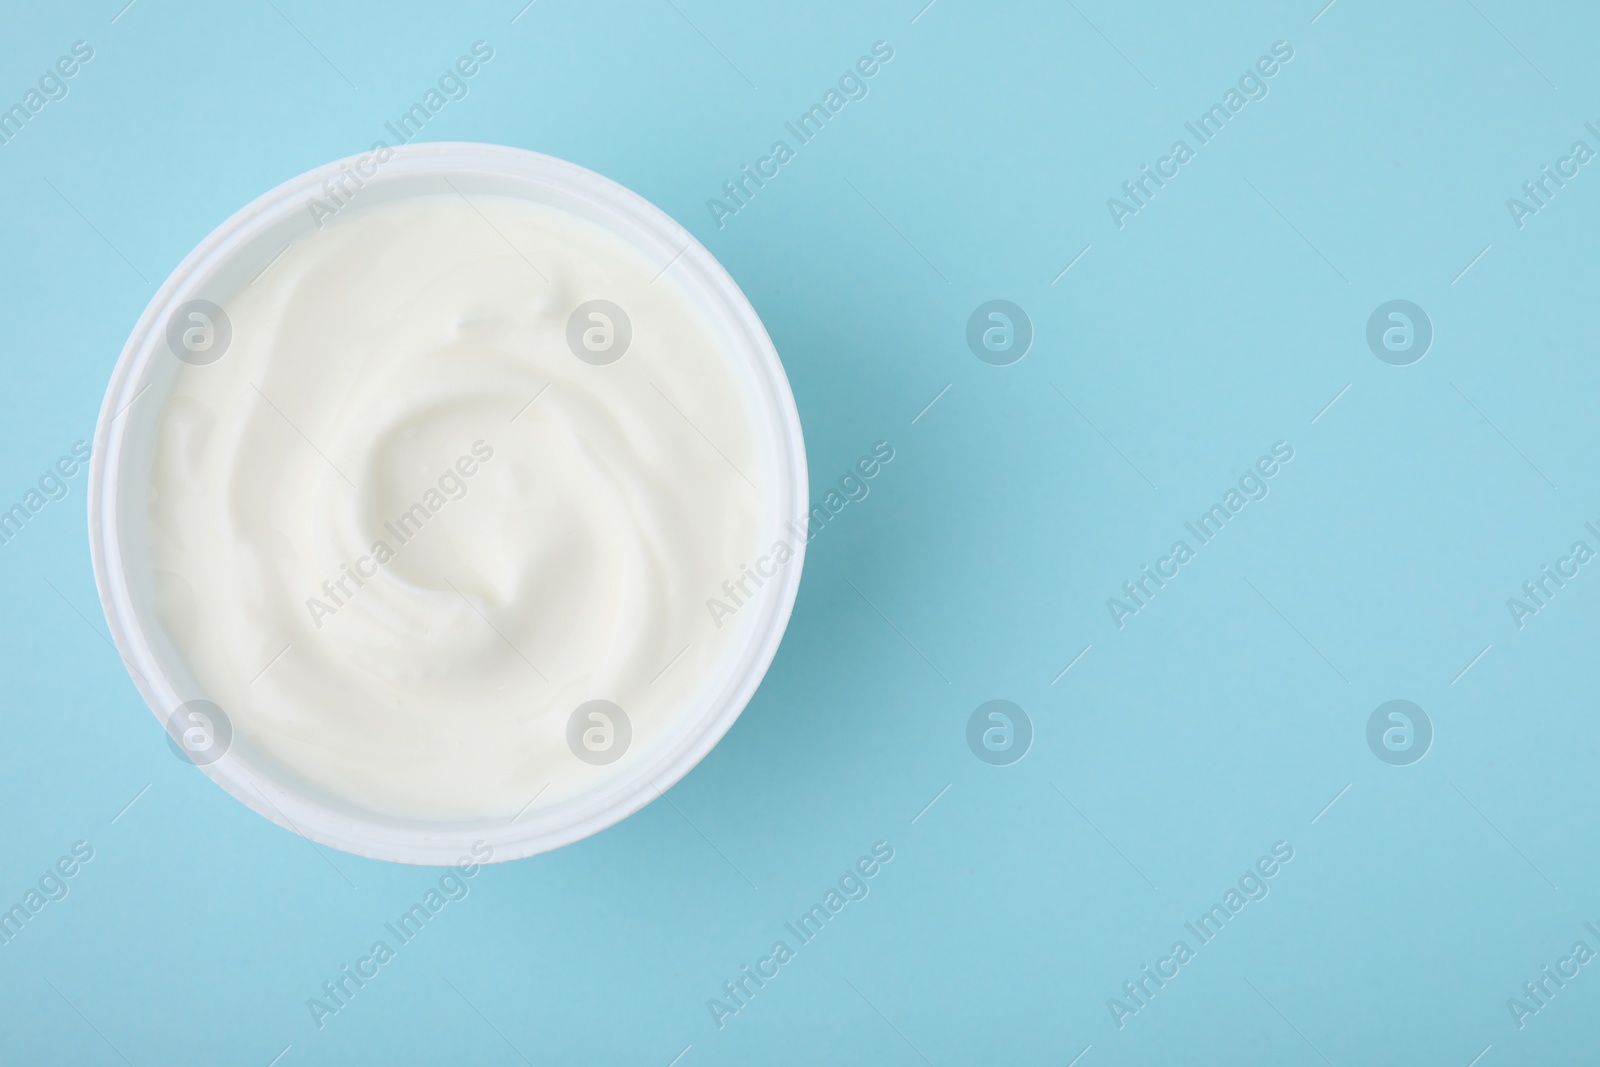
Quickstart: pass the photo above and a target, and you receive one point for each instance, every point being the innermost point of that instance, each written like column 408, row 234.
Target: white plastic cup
column 230, row 258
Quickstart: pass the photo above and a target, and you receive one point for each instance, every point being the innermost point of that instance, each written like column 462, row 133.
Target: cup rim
column 696, row 731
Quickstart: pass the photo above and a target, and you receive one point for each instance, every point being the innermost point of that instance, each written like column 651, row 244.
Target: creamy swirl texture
column 420, row 511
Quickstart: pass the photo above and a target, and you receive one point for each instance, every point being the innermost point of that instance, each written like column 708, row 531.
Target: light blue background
column 1224, row 317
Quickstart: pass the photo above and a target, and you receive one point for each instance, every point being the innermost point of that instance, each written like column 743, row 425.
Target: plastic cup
column 231, row 257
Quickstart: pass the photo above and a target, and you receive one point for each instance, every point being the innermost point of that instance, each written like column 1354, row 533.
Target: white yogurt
column 402, row 529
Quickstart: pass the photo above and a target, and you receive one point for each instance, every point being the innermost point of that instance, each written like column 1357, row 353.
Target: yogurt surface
column 438, row 528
